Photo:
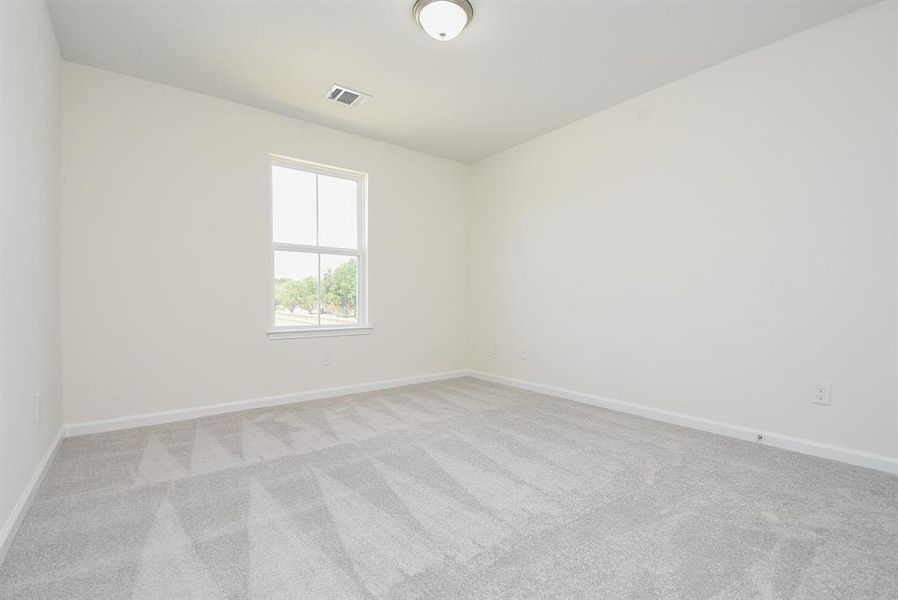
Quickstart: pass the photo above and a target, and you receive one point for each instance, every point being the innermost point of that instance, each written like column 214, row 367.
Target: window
column 318, row 248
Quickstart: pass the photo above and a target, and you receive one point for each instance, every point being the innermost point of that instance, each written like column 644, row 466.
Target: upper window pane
column 337, row 212
column 293, row 206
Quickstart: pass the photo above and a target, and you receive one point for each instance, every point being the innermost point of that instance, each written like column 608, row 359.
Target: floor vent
column 344, row 95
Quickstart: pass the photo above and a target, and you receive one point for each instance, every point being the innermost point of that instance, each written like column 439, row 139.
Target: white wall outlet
column 525, row 353
column 325, row 359
column 38, row 406
column 495, row 349
column 822, row 393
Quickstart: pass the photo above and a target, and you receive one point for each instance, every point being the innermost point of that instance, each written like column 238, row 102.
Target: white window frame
column 361, row 252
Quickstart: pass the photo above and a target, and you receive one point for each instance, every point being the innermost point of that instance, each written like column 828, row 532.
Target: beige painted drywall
column 165, row 253
column 713, row 247
column 29, row 257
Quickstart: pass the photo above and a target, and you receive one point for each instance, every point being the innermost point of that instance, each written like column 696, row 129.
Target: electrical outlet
column 38, row 406
column 525, row 353
column 325, row 359
column 822, row 393
column 495, row 349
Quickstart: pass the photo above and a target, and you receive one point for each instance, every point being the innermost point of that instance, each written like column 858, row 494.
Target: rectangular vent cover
column 344, row 95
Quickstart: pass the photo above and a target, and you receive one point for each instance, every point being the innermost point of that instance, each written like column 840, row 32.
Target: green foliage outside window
column 338, row 292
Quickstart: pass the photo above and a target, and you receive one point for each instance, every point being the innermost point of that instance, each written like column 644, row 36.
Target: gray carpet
column 457, row 489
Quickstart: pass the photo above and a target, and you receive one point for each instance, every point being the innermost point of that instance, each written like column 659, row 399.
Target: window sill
column 286, row 334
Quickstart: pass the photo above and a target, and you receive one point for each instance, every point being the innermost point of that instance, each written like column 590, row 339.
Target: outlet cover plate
column 822, row 393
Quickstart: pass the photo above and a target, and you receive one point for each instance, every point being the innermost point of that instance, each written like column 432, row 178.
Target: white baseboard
column 847, row 455
column 183, row 414
column 8, row 533
column 839, row 453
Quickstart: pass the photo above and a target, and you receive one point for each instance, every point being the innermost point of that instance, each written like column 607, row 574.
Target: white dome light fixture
column 443, row 20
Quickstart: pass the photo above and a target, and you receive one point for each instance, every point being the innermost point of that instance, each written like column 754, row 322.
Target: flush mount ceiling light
column 443, row 19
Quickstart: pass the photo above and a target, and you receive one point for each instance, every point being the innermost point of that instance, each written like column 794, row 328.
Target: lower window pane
column 295, row 289
column 339, row 290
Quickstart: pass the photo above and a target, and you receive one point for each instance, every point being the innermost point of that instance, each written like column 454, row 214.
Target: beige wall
column 165, row 282
column 29, row 257
column 713, row 247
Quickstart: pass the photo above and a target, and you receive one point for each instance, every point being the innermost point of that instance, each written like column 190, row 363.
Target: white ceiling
column 520, row 69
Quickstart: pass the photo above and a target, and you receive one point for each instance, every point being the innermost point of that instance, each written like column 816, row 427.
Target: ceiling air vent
column 346, row 96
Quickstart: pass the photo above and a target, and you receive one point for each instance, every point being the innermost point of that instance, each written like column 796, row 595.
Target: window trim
column 363, row 325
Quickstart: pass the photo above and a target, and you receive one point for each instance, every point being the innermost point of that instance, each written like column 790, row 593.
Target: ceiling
column 520, row 69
